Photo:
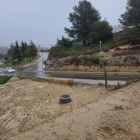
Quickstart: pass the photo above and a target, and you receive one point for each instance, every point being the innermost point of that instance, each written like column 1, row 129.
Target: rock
column 54, row 134
column 112, row 133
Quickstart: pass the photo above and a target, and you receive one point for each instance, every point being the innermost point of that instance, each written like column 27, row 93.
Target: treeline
column 18, row 53
column 87, row 27
column 131, row 21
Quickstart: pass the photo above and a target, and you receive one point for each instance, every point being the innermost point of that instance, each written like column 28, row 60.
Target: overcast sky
column 44, row 20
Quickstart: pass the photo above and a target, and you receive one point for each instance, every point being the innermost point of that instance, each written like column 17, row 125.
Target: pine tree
column 82, row 18
column 16, row 53
column 132, row 15
column 101, row 30
column 23, row 48
column 32, row 50
column 131, row 20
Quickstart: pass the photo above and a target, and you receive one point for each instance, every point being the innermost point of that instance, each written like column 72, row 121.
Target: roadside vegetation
column 119, row 86
column 4, row 79
column 50, row 80
column 20, row 55
column 87, row 31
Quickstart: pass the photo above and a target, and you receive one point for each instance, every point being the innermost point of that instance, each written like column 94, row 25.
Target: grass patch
column 100, row 84
column 4, row 79
column 118, row 107
column 118, row 86
column 50, row 80
column 128, row 82
column 33, row 78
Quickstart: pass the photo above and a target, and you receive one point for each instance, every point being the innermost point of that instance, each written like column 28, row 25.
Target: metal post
column 100, row 56
column 42, row 60
column 10, row 56
column 42, row 54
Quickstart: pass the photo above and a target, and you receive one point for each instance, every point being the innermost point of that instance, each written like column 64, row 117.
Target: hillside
column 31, row 110
column 116, row 58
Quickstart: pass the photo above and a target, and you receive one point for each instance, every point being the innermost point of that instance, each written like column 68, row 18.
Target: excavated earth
column 30, row 110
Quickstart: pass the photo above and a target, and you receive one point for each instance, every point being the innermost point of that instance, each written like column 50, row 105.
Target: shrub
column 75, row 48
column 104, row 62
column 94, row 59
column 137, row 62
column 84, row 58
column 56, row 49
column 70, row 83
column 131, row 57
column 4, row 79
column 75, row 59
column 118, row 86
column 66, row 42
column 118, row 107
column 125, row 59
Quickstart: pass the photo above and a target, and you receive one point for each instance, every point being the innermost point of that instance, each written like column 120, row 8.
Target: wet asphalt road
column 35, row 70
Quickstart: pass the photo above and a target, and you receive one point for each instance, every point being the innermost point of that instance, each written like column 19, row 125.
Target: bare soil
column 30, row 110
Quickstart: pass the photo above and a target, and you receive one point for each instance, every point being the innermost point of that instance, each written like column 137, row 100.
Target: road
column 36, row 70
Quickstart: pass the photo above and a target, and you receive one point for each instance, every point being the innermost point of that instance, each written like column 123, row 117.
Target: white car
column 8, row 70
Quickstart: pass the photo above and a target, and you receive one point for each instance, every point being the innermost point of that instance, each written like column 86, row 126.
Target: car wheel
column 65, row 99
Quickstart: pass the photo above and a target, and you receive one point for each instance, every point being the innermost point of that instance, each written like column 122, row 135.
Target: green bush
column 65, row 42
column 75, row 48
column 131, row 57
column 84, row 58
column 56, row 49
column 125, row 59
column 94, row 59
column 70, row 83
column 118, row 86
column 75, row 59
column 33, row 78
column 4, row 79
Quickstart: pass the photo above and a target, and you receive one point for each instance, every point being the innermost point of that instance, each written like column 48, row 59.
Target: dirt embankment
column 31, row 110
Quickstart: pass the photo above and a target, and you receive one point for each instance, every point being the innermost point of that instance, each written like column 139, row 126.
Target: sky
column 43, row 21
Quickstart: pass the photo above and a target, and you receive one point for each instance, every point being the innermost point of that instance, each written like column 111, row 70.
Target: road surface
column 36, row 70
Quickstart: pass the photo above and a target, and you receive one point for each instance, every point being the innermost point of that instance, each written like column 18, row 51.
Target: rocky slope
column 120, row 56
